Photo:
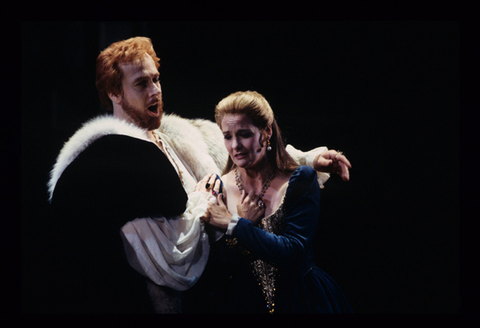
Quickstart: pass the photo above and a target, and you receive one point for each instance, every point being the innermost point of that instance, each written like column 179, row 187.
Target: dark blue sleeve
column 302, row 205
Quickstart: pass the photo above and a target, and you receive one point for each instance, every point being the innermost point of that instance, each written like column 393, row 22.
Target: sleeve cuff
column 232, row 224
column 307, row 158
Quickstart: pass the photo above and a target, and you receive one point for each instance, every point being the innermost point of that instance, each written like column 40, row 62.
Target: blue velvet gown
column 269, row 268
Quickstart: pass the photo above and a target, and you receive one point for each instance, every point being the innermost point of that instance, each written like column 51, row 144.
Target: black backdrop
column 385, row 93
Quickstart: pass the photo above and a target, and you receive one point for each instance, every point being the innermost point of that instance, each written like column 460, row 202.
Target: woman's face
column 242, row 140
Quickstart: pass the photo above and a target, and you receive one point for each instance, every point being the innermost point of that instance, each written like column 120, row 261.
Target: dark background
column 385, row 93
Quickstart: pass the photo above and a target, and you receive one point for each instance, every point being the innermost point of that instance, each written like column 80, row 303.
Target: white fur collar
column 198, row 143
column 85, row 136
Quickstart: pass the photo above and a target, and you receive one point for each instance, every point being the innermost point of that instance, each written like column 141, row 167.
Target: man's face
column 141, row 99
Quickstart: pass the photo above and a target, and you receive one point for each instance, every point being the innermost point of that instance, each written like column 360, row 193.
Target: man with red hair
column 123, row 195
column 108, row 173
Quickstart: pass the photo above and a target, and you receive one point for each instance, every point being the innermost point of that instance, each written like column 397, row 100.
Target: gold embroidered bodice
column 266, row 273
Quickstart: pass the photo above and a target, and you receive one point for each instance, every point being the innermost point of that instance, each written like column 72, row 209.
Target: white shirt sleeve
column 232, row 224
column 307, row 158
column 173, row 251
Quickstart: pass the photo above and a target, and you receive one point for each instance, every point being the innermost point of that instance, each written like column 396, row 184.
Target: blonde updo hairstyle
column 256, row 107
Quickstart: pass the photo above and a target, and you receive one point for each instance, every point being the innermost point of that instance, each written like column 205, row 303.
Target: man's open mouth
column 153, row 108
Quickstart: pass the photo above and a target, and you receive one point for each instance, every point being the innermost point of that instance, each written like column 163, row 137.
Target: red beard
column 141, row 117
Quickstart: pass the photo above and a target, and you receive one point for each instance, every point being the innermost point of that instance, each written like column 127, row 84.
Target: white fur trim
column 198, row 143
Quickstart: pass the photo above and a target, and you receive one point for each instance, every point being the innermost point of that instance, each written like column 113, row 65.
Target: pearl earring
column 268, row 146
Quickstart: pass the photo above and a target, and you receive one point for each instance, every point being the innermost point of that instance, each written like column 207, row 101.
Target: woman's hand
column 248, row 208
column 332, row 161
column 217, row 215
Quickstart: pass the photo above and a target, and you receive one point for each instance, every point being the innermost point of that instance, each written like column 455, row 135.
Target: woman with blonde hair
column 269, row 210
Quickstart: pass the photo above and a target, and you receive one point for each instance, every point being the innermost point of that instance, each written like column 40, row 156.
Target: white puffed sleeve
column 173, row 251
column 307, row 158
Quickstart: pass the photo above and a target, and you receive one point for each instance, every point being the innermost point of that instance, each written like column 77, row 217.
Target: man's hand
column 332, row 161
